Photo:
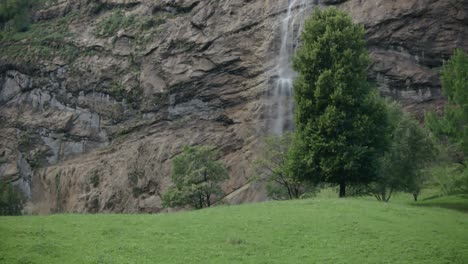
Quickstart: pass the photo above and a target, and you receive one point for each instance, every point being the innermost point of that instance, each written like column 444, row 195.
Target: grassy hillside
column 306, row 231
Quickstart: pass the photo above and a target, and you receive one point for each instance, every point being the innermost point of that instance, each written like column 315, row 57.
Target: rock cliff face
column 99, row 96
column 408, row 41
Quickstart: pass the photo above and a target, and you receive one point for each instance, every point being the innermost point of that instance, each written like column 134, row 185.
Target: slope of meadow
column 307, row 231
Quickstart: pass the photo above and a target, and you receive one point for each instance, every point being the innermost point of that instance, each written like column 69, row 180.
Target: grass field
column 305, row 231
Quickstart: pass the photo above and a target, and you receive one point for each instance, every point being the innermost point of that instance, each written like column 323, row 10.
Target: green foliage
column 26, row 139
column 110, row 25
column 119, row 92
column 341, row 127
column 273, row 169
column 113, row 23
column 43, row 40
column 452, row 126
column 15, row 13
column 95, row 179
column 133, row 177
column 11, row 200
column 411, row 150
column 196, row 176
column 449, row 179
column 35, row 160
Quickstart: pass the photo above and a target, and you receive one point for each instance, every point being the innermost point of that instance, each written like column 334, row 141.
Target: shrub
column 449, row 179
column 11, row 200
column 15, row 13
column 196, row 176
column 113, row 23
column 272, row 168
column 95, row 179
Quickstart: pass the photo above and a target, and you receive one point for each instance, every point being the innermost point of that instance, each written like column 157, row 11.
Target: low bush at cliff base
column 300, row 231
column 11, row 200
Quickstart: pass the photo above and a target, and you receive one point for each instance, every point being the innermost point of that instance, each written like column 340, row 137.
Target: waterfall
column 282, row 103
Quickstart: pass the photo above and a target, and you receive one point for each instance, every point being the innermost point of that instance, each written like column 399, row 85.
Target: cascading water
column 282, row 103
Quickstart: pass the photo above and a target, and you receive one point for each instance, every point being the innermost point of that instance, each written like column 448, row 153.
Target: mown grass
column 305, row 231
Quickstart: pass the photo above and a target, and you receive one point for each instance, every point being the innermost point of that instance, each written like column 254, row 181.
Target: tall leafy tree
column 341, row 127
column 452, row 126
column 196, row 175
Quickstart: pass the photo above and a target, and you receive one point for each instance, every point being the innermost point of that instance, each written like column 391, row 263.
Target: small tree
column 452, row 126
column 411, row 150
column 341, row 127
column 273, row 169
column 11, row 200
column 196, row 176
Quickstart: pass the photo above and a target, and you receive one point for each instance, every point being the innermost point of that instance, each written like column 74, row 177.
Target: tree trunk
column 200, row 201
column 342, row 189
column 208, row 200
column 389, row 195
column 383, row 195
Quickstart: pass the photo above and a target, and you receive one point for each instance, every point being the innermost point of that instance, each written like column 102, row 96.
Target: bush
column 113, row 23
column 196, row 176
column 272, row 168
column 449, row 180
column 15, row 13
column 95, row 179
column 11, row 200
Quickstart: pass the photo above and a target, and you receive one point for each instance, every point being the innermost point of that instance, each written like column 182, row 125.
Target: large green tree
column 341, row 127
column 196, row 175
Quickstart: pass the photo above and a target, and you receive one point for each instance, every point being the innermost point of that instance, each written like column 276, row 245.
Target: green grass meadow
column 320, row 230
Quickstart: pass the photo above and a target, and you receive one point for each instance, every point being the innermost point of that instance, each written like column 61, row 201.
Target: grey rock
column 128, row 103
